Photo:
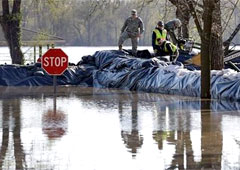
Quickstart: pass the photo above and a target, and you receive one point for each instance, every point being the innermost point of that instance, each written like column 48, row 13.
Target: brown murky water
column 102, row 129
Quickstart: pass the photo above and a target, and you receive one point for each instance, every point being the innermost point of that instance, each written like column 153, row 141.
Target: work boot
column 120, row 47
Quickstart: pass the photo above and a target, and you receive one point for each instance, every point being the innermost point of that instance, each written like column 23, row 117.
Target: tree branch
column 174, row 2
column 92, row 9
column 16, row 6
column 235, row 6
column 145, row 3
column 5, row 7
column 194, row 14
column 229, row 40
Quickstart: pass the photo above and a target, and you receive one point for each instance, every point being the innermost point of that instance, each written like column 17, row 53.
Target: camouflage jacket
column 132, row 26
column 170, row 26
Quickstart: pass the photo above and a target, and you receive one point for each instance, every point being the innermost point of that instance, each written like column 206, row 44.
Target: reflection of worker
column 167, row 48
column 171, row 26
column 132, row 28
column 158, row 33
column 131, row 135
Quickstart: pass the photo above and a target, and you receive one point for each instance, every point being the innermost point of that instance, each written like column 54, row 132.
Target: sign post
column 54, row 62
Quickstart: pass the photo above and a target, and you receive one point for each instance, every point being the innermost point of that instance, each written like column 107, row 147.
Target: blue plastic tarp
column 116, row 69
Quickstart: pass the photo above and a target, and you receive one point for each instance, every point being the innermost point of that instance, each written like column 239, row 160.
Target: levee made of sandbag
column 116, row 69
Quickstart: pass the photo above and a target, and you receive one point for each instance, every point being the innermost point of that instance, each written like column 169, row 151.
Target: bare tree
column 11, row 26
column 211, row 40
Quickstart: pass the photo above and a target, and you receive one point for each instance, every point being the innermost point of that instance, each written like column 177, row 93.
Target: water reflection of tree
column 173, row 128
column 11, row 111
column 5, row 133
column 212, row 138
column 132, row 139
column 211, row 141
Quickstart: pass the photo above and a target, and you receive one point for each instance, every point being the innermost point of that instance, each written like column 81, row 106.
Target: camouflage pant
column 173, row 37
column 124, row 36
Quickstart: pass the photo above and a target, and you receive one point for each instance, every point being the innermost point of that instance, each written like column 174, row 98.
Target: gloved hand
column 173, row 58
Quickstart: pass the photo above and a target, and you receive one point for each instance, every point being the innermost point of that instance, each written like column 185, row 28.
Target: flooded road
column 102, row 129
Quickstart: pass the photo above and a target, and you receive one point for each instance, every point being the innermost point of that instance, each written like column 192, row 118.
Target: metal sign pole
column 55, row 84
column 54, row 62
column 54, row 104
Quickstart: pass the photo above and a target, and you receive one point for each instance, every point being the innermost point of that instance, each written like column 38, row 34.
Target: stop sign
column 54, row 61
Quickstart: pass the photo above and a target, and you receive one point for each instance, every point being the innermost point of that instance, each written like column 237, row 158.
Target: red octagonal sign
column 54, row 61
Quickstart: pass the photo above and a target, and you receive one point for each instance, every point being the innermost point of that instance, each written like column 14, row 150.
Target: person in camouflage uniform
column 171, row 26
column 133, row 28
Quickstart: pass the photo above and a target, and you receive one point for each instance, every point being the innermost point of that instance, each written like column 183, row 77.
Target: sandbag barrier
column 116, row 69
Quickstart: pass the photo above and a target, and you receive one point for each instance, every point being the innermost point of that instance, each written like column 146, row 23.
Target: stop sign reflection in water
column 54, row 124
column 55, row 61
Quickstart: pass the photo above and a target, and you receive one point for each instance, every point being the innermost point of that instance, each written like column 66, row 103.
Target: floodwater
column 108, row 129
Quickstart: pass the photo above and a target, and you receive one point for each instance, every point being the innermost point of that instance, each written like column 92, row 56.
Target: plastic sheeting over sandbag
column 11, row 75
column 116, row 69
column 152, row 75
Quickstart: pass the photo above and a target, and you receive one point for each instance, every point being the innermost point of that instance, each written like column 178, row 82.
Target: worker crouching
column 166, row 48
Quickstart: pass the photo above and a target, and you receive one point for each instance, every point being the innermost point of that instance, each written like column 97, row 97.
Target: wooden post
column 40, row 50
column 34, row 54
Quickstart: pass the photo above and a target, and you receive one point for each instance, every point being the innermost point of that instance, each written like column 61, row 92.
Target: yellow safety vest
column 174, row 47
column 162, row 36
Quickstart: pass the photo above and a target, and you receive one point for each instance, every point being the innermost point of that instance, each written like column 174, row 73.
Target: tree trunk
column 11, row 26
column 217, row 44
column 187, row 8
column 183, row 13
column 206, row 48
column 211, row 41
column 89, row 32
